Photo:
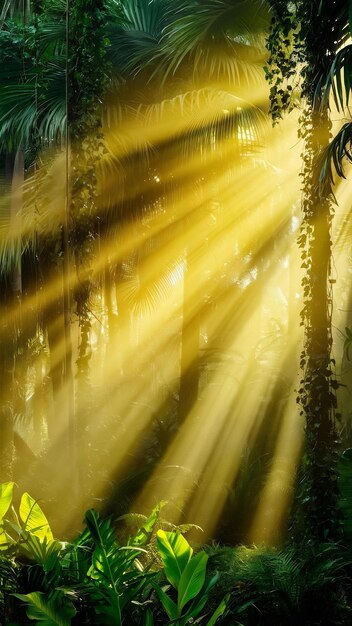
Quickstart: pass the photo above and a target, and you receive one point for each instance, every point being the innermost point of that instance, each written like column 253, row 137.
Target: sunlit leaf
column 145, row 531
column 34, row 519
column 6, row 494
column 175, row 553
column 192, row 579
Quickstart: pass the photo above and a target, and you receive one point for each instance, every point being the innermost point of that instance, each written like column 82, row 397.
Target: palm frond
column 144, row 290
column 18, row 114
column 41, row 211
column 129, row 49
column 207, row 114
column 145, row 15
column 338, row 80
column 52, row 34
column 135, row 37
column 13, row 8
column 52, row 109
column 333, row 156
column 22, row 115
column 217, row 35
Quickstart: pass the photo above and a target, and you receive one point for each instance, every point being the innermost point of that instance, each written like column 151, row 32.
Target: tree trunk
column 319, row 492
column 189, row 375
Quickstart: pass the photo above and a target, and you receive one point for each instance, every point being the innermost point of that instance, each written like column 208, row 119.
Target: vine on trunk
column 310, row 50
column 88, row 75
column 88, row 78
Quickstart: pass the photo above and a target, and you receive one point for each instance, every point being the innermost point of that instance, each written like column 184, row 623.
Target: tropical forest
column 175, row 312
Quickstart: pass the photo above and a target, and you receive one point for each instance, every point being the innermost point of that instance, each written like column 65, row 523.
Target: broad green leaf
column 175, row 553
column 55, row 611
column 199, row 603
column 144, row 532
column 350, row 14
column 219, row 611
column 6, row 493
column 196, row 606
column 192, row 579
column 34, row 519
column 168, row 604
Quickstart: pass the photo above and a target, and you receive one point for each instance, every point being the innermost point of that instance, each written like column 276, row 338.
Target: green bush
column 94, row 579
column 155, row 579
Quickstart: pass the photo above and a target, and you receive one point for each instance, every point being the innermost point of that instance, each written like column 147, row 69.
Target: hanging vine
column 298, row 39
column 88, row 75
column 285, row 52
column 88, row 78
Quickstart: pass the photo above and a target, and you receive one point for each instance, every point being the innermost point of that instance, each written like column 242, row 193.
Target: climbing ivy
column 285, row 52
column 87, row 81
column 88, row 75
column 298, row 45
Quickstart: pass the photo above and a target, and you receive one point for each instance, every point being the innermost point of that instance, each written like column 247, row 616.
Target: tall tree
column 306, row 35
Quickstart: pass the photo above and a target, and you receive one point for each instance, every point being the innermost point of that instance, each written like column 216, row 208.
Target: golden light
column 200, row 241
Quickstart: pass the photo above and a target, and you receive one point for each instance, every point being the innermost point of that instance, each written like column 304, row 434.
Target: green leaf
column 148, row 618
column 43, row 551
column 6, row 493
column 168, row 604
column 175, row 553
column 55, row 611
column 114, row 570
column 219, row 611
column 350, row 14
column 199, row 603
column 5, row 539
column 196, row 606
column 192, row 579
column 34, row 519
column 145, row 532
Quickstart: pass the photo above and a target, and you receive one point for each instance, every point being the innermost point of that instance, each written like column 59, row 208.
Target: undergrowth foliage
column 155, row 578
column 94, row 579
